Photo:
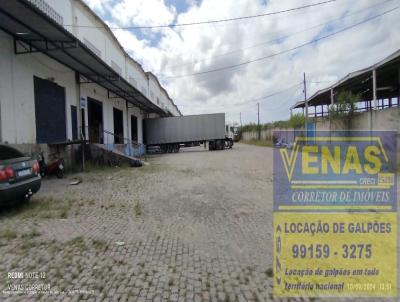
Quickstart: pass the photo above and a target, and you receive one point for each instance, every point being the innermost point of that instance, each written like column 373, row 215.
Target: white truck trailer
column 169, row 134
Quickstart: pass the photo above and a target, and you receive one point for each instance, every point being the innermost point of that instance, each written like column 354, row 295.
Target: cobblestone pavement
column 193, row 226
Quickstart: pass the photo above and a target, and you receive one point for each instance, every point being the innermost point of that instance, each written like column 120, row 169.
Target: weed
column 99, row 244
column 8, row 234
column 78, row 242
column 32, row 234
column 269, row 272
column 138, row 208
column 47, row 208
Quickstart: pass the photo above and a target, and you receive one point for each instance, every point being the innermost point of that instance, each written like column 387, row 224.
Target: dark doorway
column 74, row 122
column 51, row 126
column 95, row 121
column 83, row 123
column 134, row 132
column 118, row 126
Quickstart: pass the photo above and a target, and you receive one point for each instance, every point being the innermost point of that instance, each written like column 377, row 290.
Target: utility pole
column 258, row 120
column 240, row 115
column 305, row 101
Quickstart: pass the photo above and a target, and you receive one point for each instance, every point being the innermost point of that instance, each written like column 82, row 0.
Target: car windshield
column 9, row 153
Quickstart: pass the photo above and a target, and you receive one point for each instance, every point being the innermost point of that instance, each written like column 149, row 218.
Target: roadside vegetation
column 295, row 122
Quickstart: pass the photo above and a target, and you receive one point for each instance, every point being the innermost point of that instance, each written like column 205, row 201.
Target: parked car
column 19, row 176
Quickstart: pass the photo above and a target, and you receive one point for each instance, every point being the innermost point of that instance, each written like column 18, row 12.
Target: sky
column 175, row 54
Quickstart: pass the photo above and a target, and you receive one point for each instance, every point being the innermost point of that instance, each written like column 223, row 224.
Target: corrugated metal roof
column 394, row 58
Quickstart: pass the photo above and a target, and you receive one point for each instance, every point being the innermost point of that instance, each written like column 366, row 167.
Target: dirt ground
column 193, row 226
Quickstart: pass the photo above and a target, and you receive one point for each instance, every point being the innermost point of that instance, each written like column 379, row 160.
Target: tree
column 345, row 105
column 296, row 121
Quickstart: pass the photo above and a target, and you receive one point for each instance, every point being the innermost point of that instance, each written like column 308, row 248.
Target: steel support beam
column 96, row 79
column 140, row 104
column 29, row 46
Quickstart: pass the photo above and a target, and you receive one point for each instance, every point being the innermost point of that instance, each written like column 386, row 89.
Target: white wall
column 98, row 93
column 17, row 91
column 137, row 77
column 17, row 108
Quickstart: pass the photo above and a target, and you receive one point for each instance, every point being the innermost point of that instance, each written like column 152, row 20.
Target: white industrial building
column 64, row 77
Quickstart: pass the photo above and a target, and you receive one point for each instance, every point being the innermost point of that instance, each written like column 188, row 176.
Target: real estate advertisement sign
column 335, row 220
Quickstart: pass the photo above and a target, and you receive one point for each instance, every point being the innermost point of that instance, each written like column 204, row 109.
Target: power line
column 260, row 99
column 283, row 51
column 211, row 21
column 282, row 37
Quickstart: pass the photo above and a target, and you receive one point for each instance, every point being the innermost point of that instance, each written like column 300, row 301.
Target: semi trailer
column 169, row 134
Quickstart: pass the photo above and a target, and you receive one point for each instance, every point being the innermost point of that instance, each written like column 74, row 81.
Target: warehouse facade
column 65, row 77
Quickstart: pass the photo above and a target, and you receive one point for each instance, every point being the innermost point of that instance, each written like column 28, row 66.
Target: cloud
column 186, row 50
column 142, row 12
column 100, row 6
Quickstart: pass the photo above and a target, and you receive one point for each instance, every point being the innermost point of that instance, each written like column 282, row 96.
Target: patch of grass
column 99, row 244
column 47, row 208
column 8, row 234
column 138, row 208
column 260, row 143
column 32, row 234
column 78, row 242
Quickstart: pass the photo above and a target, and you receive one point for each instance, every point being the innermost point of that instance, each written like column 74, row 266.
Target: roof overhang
column 34, row 31
column 360, row 82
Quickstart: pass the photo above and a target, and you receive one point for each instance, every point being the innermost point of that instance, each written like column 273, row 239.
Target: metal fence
column 48, row 10
column 113, row 142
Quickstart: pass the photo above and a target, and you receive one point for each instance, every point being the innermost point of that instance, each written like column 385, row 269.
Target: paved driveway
column 193, row 226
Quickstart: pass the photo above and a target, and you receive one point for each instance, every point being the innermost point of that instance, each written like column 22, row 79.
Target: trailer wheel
column 211, row 145
column 163, row 148
column 176, row 148
column 220, row 144
column 230, row 144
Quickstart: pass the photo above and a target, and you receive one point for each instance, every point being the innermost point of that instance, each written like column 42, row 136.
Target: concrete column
column 398, row 88
column 374, row 95
column 128, row 130
column 332, row 98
